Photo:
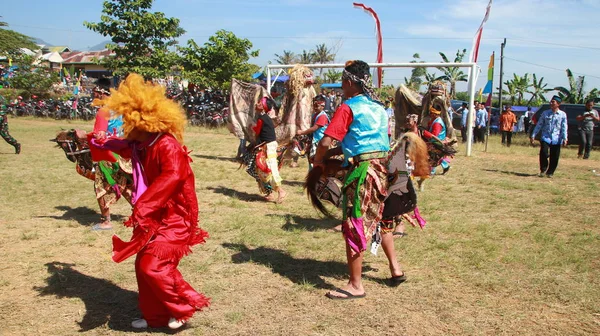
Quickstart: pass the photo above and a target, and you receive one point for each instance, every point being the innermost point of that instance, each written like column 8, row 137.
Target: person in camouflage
column 4, row 131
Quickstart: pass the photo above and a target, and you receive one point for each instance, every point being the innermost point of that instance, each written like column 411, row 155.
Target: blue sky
column 543, row 36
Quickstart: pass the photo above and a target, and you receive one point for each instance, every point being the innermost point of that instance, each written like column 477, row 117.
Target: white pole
column 470, row 116
column 268, row 79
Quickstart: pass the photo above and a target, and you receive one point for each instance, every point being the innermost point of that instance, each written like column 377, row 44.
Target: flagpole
column 487, row 131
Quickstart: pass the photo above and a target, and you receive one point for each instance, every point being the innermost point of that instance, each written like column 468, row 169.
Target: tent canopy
column 331, row 86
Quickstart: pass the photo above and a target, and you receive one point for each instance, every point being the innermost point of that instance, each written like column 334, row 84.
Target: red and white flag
column 477, row 39
column 379, row 73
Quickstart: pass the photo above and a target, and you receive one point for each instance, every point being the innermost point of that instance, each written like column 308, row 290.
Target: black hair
column 590, row 101
column 358, row 68
column 270, row 104
column 465, row 104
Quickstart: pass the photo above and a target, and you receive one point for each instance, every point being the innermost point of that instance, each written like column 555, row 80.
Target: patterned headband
column 363, row 82
column 263, row 102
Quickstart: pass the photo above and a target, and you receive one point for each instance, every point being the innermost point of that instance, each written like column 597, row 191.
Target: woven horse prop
column 294, row 114
column 76, row 147
column 411, row 112
column 74, row 143
column 408, row 154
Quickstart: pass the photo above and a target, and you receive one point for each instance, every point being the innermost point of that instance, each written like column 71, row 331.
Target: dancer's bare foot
column 270, row 198
column 106, row 225
column 282, row 195
column 399, row 231
column 336, row 229
column 347, row 292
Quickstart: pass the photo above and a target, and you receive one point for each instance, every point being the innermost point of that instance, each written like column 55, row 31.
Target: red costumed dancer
column 165, row 210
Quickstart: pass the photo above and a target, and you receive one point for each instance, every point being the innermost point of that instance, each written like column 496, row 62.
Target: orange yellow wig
column 145, row 107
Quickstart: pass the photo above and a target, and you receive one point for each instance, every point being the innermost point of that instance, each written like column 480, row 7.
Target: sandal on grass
column 349, row 296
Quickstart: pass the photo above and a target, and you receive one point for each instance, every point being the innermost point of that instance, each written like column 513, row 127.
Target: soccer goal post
column 473, row 74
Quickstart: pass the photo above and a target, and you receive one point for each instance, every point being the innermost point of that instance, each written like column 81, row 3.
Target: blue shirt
column 481, row 118
column 553, row 127
column 465, row 114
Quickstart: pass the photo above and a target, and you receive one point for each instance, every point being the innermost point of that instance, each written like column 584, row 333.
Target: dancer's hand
column 100, row 135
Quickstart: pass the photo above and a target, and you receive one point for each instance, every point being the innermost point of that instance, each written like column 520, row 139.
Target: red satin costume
column 165, row 226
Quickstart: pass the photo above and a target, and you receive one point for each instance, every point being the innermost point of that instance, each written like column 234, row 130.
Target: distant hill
column 40, row 41
column 99, row 46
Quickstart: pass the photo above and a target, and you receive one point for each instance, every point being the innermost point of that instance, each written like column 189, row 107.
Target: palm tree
column 416, row 75
column 288, row 57
column 453, row 74
column 575, row 94
column 510, row 91
column 333, row 76
column 306, row 57
column 322, row 55
column 538, row 89
column 521, row 86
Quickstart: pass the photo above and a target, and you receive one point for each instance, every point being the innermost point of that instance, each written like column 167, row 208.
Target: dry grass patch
column 504, row 252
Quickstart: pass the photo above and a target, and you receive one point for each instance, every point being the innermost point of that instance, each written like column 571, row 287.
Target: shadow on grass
column 83, row 215
column 241, row 195
column 214, row 157
column 293, row 223
column 510, row 172
column 105, row 303
column 293, row 183
column 300, row 271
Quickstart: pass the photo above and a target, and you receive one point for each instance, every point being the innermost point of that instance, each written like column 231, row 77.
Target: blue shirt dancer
column 361, row 125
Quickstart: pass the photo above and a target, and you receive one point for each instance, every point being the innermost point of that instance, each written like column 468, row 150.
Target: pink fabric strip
column 361, row 244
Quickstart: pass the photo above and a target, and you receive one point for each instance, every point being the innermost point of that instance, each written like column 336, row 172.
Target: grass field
column 504, row 251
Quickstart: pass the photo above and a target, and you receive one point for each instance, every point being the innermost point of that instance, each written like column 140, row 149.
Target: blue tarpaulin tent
column 331, row 86
column 261, row 76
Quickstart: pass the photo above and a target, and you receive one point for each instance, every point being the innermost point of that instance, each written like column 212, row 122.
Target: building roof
column 58, row 49
column 84, row 57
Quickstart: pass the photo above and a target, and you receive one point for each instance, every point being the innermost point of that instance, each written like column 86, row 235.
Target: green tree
column 140, row 39
column 11, row 42
column 288, row 57
column 32, row 80
column 306, row 57
column 453, row 74
column 521, row 86
column 510, row 91
column 417, row 75
column 575, row 94
column 323, row 55
column 538, row 89
column 333, row 76
column 223, row 57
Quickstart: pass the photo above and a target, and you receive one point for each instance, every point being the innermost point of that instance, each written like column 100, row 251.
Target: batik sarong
column 364, row 192
column 111, row 183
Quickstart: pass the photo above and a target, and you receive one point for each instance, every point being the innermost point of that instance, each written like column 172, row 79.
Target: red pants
column 162, row 291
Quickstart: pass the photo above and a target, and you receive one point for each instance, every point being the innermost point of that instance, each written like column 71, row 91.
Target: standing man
column 507, row 122
column 390, row 114
column 553, row 126
column 360, row 124
column 464, row 111
column 481, row 122
column 586, row 129
column 4, row 130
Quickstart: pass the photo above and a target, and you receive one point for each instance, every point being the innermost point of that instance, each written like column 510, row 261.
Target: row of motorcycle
column 207, row 109
column 74, row 108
